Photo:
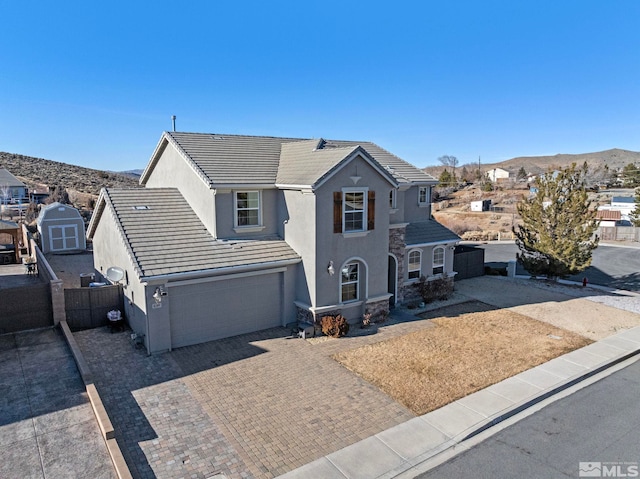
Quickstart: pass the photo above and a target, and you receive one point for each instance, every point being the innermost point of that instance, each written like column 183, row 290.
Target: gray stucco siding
column 426, row 266
column 299, row 226
column 226, row 211
column 173, row 171
column 370, row 247
column 109, row 250
column 412, row 210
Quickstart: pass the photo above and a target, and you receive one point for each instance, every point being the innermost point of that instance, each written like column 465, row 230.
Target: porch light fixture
column 330, row 269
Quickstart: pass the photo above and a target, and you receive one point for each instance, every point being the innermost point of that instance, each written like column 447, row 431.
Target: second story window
column 392, row 199
column 423, row 195
column 353, row 210
column 247, row 205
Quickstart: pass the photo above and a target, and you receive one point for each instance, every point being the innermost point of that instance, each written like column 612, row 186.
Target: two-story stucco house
column 233, row 234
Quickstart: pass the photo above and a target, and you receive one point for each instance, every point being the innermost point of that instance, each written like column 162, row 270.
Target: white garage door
column 218, row 309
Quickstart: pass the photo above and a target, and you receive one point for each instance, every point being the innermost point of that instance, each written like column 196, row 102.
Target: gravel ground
column 616, row 298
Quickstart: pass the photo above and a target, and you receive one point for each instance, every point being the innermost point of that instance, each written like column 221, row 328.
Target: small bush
column 334, row 326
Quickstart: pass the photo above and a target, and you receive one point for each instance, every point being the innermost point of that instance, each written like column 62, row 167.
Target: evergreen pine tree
column 556, row 235
column 445, row 179
column 635, row 214
column 522, row 173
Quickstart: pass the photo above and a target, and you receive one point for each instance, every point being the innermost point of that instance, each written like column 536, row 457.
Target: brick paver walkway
column 256, row 405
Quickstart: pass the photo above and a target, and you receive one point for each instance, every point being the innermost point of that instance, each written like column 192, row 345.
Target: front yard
column 463, row 353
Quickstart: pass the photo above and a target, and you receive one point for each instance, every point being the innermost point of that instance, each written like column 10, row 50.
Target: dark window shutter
column 337, row 212
column 371, row 210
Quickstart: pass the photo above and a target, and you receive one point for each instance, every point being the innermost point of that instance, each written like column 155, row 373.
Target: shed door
column 63, row 237
column 218, row 309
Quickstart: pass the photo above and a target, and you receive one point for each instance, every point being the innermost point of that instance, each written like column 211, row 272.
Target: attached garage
column 61, row 229
column 219, row 309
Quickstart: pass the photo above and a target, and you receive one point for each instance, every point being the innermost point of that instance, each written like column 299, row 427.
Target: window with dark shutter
column 371, row 210
column 337, row 212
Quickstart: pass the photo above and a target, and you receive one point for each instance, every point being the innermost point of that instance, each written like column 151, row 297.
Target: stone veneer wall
column 379, row 310
column 397, row 247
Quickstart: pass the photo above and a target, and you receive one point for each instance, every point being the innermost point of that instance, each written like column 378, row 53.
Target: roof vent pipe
column 173, row 122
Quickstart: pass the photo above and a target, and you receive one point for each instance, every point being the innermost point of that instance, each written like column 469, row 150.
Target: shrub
column 334, row 326
column 439, row 288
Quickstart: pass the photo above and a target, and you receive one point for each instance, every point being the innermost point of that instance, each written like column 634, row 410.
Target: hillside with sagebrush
column 81, row 183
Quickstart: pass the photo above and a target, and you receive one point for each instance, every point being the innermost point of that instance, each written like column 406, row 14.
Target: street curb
column 333, row 465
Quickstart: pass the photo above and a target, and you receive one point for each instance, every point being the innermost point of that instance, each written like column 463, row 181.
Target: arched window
column 415, row 260
column 438, row 260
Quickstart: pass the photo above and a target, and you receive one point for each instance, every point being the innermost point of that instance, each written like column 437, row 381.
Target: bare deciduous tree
column 449, row 160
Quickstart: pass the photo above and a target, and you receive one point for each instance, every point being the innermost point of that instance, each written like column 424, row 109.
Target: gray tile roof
column 303, row 163
column 240, row 159
column 429, row 231
column 401, row 170
column 232, row 159
column 6, row 178
column 165, row 236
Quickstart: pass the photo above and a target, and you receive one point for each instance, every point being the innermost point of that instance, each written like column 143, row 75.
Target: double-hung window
column 438, row 260
column 247, row 206
column 423, row 195
column 415, row 260
column 349, row 280
column 354, row 211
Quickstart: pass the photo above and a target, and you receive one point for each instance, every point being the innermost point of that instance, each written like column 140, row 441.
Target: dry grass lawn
column 462, row 354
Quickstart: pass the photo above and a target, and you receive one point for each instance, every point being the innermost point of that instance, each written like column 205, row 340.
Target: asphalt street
column 614, row 266
column 593, row 431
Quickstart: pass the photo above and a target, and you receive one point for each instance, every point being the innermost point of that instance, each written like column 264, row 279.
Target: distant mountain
column 615, row 159
column 38, row 173
column 133, row 173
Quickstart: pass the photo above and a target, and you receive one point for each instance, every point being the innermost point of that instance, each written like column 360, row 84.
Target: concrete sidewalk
column 397, row 450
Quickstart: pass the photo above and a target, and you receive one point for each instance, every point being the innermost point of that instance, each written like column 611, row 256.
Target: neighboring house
column 38, row 197
column 12, row 190
column 233, row 234
column 624, row 204
column 61, row 229
column 497, row 174
column 607, row 218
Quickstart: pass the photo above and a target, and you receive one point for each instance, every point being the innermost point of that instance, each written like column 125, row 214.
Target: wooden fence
column 619, row 233
column 87, row 308
column 26, row 307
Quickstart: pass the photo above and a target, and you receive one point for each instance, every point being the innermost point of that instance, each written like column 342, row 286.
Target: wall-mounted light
column 158, row 294
column 330, row 269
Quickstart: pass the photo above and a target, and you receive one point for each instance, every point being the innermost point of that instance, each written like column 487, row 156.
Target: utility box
column 86, row 279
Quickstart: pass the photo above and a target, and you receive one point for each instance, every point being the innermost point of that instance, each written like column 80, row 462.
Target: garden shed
column 61, row 229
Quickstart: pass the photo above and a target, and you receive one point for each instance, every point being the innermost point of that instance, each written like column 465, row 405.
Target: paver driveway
column 256, row 405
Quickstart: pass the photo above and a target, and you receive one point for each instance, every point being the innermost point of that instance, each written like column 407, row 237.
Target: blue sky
column 95, row 83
